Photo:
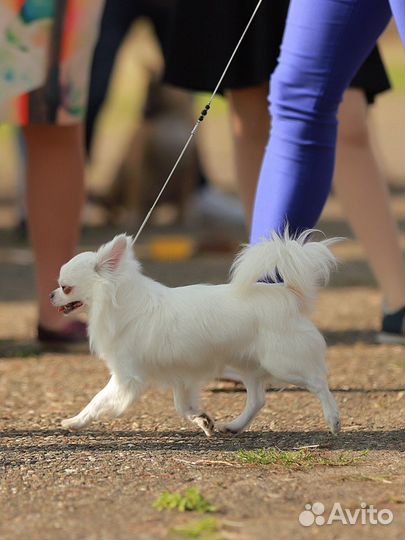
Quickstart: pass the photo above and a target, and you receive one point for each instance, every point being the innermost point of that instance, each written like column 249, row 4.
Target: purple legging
column 324, row 44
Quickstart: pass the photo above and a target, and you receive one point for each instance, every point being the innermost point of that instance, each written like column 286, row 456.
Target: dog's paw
column 226, row 429
column 205, row 423
column 72, row 423
column 335, row 426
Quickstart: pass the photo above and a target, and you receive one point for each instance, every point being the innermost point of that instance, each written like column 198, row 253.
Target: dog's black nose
column 52, row 295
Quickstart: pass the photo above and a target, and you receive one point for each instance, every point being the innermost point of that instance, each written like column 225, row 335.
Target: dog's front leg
column 186, row 402
column 111, row 401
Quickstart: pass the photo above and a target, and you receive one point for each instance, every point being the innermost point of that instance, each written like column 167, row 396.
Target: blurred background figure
column 46, row 48
column 150, row 152
column 359, row 183
column 162, row 118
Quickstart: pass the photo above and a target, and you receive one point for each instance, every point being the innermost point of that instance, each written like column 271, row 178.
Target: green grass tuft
column 191, row 501
column 203, row 529
column 296, row 459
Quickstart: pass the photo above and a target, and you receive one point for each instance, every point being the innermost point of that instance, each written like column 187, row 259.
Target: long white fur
column 303, row 265
column 182, row 337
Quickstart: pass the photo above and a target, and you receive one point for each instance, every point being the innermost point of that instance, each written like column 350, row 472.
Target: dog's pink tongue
column 61, row 309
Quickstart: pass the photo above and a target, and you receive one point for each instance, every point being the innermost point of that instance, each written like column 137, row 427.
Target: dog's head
column 79, row 276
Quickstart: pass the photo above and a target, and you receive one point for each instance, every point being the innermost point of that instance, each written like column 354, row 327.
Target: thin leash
column 203, row 114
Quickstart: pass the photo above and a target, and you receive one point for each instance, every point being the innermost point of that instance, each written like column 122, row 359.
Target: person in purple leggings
column 324, row 44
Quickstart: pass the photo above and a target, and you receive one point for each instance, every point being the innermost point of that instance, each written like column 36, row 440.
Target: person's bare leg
column 55, row 196
column 250, row 128
column 362, row 191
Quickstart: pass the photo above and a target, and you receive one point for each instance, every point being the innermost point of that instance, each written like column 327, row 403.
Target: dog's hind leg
column 320, row 388
column 318, row 385
column 186, row 402
column 255, row 400
column 111, row 401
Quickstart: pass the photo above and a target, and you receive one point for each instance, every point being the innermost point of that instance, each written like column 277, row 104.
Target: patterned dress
column 46, row 49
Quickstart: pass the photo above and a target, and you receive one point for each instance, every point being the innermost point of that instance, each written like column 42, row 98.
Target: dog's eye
column 66, row 289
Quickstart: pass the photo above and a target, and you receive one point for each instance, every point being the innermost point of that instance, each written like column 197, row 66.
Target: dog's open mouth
column 68, row 308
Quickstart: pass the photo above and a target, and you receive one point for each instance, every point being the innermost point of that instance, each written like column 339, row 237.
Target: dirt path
column 102, row 483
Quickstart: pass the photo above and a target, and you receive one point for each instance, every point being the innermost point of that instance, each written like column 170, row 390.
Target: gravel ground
column 101, row 483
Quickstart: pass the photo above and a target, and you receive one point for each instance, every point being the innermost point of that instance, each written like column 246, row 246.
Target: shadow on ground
column 189, row 441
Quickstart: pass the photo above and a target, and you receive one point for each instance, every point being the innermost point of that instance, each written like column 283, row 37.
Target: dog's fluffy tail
column 303, row 265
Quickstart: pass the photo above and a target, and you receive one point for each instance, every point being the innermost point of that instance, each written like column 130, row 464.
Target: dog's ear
column 110, row 255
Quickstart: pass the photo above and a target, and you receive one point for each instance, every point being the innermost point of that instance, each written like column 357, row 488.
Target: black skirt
column 204, row 34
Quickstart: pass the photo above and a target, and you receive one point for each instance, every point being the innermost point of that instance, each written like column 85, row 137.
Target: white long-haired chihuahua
column 182, row 337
